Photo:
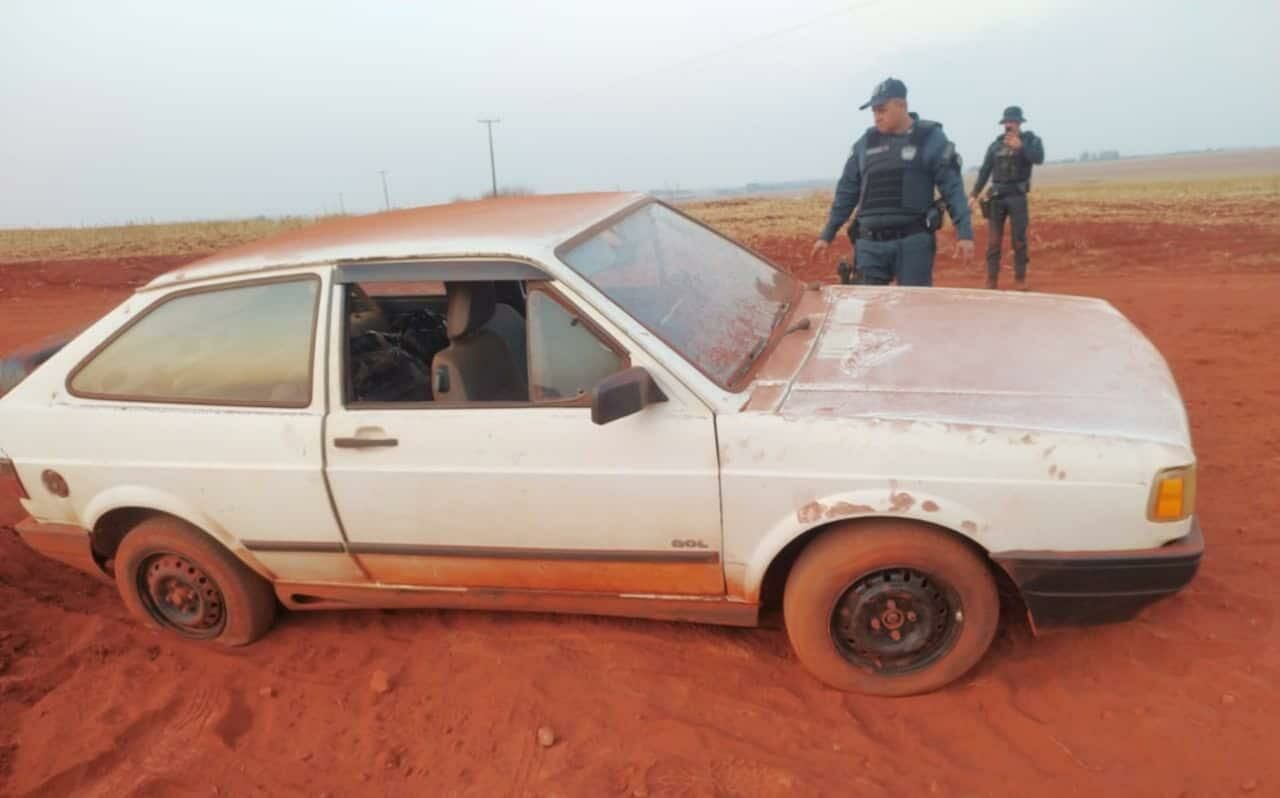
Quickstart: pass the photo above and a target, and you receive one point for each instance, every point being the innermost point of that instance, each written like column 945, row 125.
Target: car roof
column 502, row 226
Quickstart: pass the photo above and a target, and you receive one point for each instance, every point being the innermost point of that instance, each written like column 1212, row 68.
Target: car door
column 206, row 403
column 530, row 494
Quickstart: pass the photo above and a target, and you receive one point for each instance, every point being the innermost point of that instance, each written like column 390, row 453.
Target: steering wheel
column 420, row 319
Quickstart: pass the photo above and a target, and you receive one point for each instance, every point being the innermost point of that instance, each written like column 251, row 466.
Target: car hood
column 985, row 358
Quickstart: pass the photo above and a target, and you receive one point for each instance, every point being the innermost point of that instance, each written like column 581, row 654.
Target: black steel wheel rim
column 896, row 620
column 180, row 595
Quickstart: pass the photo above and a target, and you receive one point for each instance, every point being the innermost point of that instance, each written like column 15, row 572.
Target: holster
column 984, row 206
column 855, row 230
column 933, row 216
column 847, row 271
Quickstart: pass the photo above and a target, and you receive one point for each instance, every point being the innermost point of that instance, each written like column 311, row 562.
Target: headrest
column 471, row 305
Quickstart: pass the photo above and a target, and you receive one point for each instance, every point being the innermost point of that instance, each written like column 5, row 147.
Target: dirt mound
column 1181, row 701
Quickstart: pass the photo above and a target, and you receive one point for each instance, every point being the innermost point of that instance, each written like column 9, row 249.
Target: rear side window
column 248, row 345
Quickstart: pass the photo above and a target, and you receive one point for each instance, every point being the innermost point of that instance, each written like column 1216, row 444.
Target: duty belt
column 892, row 233
column 1009, row 189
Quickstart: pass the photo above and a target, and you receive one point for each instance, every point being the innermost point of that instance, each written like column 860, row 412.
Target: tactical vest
column 1009, row 166
column 895, row 179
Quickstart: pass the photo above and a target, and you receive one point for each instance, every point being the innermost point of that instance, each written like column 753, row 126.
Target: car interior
column 468, row 343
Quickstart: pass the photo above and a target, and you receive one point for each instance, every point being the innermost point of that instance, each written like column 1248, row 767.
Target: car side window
column 243, row 345
column 393, row 331
column 468, row 342
column 566, row 359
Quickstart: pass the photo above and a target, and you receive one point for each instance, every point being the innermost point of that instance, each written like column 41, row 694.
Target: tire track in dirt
column 91, row 772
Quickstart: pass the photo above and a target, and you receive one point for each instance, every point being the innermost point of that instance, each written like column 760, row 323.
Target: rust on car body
column 734, row 582
column 900, row 502
column 845, row 509
column 673, row 576
column 811, row 512
column 718, row 610
column 66, row 543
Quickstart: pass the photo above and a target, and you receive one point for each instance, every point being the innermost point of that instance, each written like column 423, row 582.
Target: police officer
column 1008, row 164
column 890, row 178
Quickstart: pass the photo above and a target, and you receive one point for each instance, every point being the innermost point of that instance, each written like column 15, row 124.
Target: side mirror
column 623, row 394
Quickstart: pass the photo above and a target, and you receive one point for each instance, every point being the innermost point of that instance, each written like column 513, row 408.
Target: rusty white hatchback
column 592, row 403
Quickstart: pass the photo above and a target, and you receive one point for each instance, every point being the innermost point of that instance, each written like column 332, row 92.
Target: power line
column 386, row 197
column 493, row 170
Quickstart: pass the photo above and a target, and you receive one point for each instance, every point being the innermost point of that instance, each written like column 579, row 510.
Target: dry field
column 191, row 239
column 1182, row 701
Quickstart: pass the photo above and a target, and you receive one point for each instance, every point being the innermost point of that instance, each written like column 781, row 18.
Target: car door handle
column 364, row 443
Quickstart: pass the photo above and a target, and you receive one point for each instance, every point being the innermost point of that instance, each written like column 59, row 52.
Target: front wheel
column 175, row 577
column 890, row 608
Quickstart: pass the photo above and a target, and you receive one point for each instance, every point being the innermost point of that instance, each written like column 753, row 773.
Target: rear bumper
column 1100, row 587
column 62, row 542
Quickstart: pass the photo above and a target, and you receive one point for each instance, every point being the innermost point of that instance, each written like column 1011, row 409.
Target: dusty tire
column 857, row 585
column 176, row 578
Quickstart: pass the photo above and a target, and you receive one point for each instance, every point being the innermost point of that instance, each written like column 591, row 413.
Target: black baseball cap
column 887, row 89
column 1013, row 114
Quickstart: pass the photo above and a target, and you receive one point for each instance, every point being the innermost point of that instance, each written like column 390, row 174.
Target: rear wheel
column 175, row 577
column 890, row 608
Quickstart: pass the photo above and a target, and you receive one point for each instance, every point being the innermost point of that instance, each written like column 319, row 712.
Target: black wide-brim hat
column 1012, row 114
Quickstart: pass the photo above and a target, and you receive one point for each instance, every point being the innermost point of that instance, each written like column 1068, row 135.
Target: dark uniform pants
column 908, row 259
column 1008, row 206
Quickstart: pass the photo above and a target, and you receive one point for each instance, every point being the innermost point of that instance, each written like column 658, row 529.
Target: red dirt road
column 1182, row 701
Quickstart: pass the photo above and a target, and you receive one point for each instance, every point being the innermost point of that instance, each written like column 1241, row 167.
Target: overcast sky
column 124, row 111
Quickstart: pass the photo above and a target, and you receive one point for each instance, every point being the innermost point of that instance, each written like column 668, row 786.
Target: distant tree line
column 1100, row 155
column 1087, row 156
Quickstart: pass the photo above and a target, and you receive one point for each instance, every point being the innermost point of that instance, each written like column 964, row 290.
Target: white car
column 592, row 403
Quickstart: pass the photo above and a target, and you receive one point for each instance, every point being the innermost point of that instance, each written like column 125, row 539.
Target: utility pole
column 386, row 198
column 493, row 170
column 342, row 206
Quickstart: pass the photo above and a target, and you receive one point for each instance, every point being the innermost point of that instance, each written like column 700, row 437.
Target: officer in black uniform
column 1008, row 165
column 890, row 178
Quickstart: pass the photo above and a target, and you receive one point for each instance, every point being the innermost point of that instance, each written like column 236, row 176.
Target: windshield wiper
column 760, row 344
column 778, row 315
column 751, row 358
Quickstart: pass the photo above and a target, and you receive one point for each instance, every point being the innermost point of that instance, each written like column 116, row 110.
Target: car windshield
column 708, row 298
